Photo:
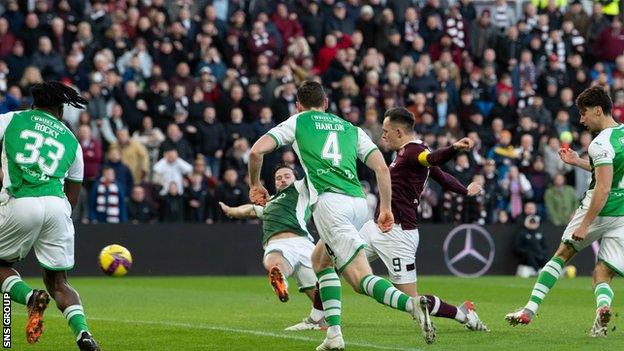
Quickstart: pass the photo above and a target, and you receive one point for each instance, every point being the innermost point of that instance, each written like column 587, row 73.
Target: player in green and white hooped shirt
column 599, row 217
column 328, row 148
column 43, row 169
column 287, row 244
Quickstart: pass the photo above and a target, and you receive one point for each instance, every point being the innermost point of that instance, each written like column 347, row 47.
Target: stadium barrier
column 235, row 249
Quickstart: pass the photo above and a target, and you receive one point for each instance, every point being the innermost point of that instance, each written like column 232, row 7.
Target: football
column 115, row 260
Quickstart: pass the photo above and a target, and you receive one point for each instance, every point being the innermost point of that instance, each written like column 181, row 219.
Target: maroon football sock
column 439, row 308
column 318, row 304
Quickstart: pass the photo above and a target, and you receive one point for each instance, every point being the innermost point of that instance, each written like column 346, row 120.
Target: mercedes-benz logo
column 453, row 260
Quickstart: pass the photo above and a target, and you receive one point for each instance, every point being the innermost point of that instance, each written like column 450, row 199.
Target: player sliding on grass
column 287, row 243
column 43, row 169
column 600, row 215
column 328, row 148
column 409, row 173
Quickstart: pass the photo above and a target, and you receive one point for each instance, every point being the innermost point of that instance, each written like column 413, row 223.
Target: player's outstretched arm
column 572, row 158
column 447, row 181
column 604, row 178
column 257, row 193
column 445, row 154
column 240, row 212
column 376, row 163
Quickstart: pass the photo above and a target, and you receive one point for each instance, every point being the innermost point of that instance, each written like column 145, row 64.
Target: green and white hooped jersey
column 608, row 149
column 328, row 148
column 287, row 211
column 38, row 154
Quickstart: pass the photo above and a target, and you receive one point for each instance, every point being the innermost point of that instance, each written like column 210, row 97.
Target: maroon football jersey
column 409, row 178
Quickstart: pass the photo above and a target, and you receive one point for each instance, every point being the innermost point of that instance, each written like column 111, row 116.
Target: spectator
column 503, row 15
column 561, row 201
column 503, row 153
column 176, row 141
column 92, row 155
column 610, row 42
column 150, row 137
column 172, row 203
column 139, row 209
column 553, row 162
column 238, row 156
column 338, row 21
column 530, row 244
column 264, row 123
column 196, row 195
column 516, row 189
column 539, row 180
column 237, row 128
column 312, row 24
column 7, row 38
column 123, row 175
column 230, row 192
column 106, row 200
column 134, row 155
column 172, row 169
column 476, row 206
column 48, row 62
column 261, row 43
column 287, row 24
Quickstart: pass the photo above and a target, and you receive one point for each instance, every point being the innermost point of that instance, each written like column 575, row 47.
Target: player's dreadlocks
column 55, row 94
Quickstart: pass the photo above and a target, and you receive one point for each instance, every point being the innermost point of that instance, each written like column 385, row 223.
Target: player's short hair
column 402, row 116
column 284, row 165
column 593, row 97
column 56, row 94
column 311, row 94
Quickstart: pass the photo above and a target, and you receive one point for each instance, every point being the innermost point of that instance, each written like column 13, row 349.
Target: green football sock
column 76, row 319
column 20, row 292
column 384, row 292
column 330, row 292
column 545, row 281
column 604, row 295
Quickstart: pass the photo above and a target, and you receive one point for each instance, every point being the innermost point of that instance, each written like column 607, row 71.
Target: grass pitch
column 242, row 313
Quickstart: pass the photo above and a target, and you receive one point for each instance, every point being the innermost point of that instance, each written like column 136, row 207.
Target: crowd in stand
column 179, row 90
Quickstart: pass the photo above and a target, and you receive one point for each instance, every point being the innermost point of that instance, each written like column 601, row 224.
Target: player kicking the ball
column 328, row 148
column 409, row 172
column 600, row 215
column 43, row 169
column 287, row 243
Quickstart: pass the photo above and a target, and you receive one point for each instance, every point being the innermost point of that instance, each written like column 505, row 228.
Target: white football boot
column 473, row 322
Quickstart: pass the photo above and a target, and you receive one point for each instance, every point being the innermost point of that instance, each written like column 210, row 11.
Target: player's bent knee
column 565, row 252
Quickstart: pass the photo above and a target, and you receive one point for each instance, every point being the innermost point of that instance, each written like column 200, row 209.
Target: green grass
column 242, row 313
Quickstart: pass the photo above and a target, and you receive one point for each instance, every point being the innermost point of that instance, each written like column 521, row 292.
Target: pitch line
column 236, row 330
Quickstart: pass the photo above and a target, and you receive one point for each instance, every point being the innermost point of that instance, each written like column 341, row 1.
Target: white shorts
column 297, row 252
column 397, row 249
column 610, row 230
column 338, row 219
column 40, row 222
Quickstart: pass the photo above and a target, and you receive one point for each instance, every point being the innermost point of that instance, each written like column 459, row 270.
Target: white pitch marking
column 237, row 330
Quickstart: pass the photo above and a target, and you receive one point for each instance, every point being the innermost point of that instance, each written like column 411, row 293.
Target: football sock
column 330, row 293
column 76, row 319
column 20, row 292
column 545, row 281
column 318, row 304
column 317, row 312
column 439, row 308
column 384, row 292
column 604, row 295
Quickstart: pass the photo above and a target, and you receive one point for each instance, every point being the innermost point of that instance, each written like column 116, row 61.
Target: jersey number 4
column 34, row 141
column 331, row 149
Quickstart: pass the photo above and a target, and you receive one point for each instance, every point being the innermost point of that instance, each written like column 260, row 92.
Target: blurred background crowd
column 179, row 90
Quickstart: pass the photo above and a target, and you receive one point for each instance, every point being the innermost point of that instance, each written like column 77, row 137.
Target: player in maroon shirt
column 409, row 172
